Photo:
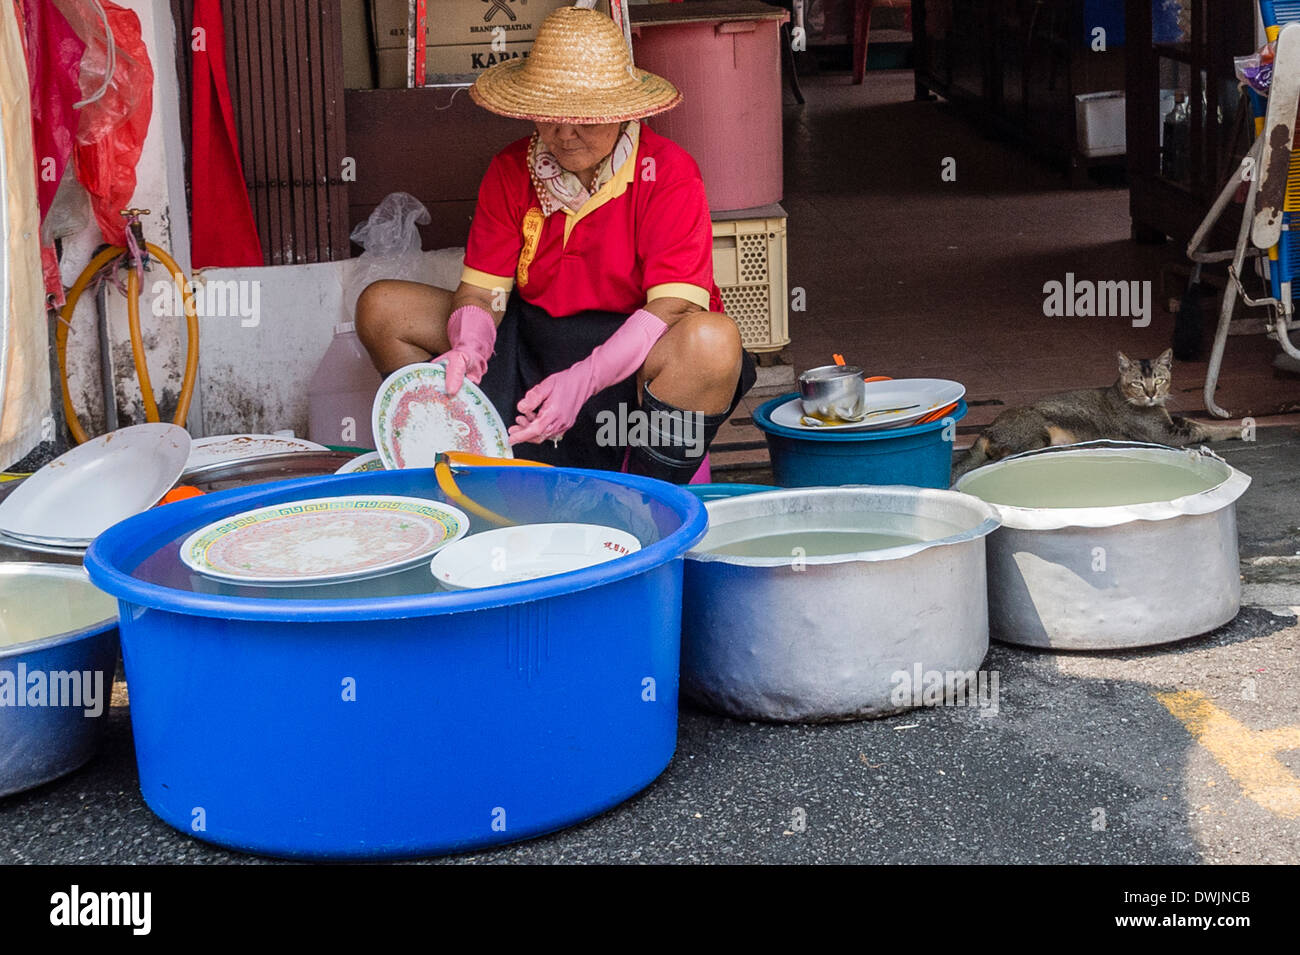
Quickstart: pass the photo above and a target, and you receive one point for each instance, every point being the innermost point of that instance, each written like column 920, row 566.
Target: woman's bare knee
column 402, row 322
column 373, row 316
column 697, row 363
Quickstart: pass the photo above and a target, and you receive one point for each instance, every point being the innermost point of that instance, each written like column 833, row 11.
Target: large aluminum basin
column 839, row 636
column 58, row 655
column 1093, row 555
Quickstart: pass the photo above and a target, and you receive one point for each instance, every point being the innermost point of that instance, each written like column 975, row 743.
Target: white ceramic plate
column 323, row 540
column 512, row 554
column 64, row 543
column 363, row 462
column 80, row 494
column 35, row 547
column 929, row 393
column 223, row 448
column 414, row 419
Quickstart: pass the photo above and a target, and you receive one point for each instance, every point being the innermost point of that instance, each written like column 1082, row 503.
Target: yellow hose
column 137, row 345
column 64, row 325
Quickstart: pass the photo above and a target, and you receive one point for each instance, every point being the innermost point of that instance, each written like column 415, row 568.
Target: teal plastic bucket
column 715, row 492
column 920, row 455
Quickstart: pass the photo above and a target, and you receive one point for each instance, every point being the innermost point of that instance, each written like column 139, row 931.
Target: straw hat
column 579, row 71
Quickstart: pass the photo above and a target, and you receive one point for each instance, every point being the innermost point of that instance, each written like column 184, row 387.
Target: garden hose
column 102, row 259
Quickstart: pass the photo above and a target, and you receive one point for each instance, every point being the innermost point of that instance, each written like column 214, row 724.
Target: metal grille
column 285, row 65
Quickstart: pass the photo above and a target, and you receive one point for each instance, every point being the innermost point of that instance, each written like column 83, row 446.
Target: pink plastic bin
column 729, row 72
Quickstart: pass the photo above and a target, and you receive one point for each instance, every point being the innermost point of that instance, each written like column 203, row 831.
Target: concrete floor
column 909, row 275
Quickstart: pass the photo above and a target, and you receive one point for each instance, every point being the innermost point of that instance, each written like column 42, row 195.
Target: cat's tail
column 977, row 455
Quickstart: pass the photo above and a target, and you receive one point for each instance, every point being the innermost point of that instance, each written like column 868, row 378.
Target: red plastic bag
column 112, row 128
column 54, row 52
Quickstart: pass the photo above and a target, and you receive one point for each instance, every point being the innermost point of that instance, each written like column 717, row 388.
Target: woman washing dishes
column 588, row 280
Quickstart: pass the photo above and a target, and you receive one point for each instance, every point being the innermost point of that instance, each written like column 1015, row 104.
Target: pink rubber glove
column 473, row 336
column 550, row 408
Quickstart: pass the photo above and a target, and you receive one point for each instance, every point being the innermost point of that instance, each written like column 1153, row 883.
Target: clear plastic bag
column 391, row 239
column 1256, row 70
column 69, row 213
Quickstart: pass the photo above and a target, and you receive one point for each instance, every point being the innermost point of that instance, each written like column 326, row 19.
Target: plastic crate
column 749, row 267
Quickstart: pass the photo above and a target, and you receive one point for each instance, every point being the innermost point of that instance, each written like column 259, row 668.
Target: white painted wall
column 255, row 377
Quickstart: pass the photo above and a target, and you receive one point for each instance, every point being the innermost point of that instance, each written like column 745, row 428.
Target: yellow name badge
column 532, row 229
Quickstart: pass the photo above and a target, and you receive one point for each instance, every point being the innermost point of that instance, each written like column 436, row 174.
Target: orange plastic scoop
column 936, row 414
column 442, row 471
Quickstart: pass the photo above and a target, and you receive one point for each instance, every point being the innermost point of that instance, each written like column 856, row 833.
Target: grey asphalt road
column 1089, row 758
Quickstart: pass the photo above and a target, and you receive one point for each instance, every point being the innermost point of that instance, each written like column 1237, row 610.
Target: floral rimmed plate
column 414, row 419
column 323, row 540
column 363, row 462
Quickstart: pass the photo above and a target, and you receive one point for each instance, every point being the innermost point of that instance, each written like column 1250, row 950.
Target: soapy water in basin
column 1078, row 480
column 820, row 534
column 163, row 565
column 35, row 606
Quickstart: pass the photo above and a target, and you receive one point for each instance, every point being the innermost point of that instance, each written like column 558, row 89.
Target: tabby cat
column 1132, row 409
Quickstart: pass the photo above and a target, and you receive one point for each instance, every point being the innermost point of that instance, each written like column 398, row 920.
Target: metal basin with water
column 807, row 604
column 58, row 655
column 1110, row 545
column 398, row 719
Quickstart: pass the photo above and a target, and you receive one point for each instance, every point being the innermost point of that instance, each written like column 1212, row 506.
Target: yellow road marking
column 1249, row 756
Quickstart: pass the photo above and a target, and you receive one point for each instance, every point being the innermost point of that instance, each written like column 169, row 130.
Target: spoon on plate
column 810, row 422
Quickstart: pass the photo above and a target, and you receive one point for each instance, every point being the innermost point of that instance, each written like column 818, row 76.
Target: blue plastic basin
column 919, row 456
column 403, row 725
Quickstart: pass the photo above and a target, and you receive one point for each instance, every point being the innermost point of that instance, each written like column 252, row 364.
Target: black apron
column 531, row 345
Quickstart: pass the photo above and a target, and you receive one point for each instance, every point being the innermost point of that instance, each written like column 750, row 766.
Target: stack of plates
column 79, row 495
column 915, row 397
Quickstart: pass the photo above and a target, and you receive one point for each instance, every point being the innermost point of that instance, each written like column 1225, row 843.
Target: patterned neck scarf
column 557, row 188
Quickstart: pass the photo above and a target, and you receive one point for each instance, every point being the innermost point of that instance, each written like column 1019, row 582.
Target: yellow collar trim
column 614, row 188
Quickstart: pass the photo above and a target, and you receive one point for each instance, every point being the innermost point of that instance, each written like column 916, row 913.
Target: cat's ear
column 1125, row 363
column 1166, row 358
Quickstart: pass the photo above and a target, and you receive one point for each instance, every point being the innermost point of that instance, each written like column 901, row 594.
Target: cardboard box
column 358, row 63
column 388, row 18
column 464, row 22
column 447, row 63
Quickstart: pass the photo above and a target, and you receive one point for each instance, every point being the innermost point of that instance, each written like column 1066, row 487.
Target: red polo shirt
column 645, row 234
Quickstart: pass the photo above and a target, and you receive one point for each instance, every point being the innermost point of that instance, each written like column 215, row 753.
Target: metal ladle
column 809, row 422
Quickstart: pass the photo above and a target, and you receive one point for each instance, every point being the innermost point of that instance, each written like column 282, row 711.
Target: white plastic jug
column 342, row 392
